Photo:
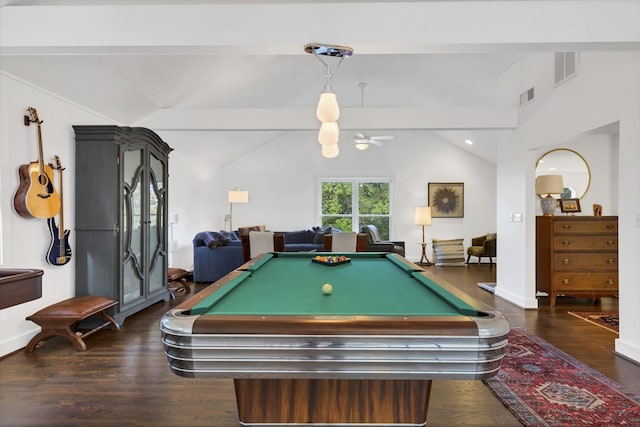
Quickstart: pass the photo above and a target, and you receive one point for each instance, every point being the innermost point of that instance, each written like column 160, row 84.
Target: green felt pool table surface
column 370, row 284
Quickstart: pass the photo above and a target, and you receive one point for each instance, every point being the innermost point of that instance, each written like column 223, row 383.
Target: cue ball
column 327, row 289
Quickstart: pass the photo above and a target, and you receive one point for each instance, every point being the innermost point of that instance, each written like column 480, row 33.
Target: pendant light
column 328, row 110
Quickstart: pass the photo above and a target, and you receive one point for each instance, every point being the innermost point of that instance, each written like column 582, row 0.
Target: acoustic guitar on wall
column 36, row 197
column 59, row 252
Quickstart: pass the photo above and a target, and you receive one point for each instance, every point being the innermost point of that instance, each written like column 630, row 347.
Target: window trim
column 354, row 196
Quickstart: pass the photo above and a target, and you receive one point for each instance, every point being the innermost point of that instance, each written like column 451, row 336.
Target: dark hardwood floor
column 124, row 379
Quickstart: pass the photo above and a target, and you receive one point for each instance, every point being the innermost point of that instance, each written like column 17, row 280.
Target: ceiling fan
column 362, row 140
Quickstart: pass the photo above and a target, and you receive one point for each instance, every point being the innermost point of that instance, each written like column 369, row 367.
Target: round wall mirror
column 576, row 175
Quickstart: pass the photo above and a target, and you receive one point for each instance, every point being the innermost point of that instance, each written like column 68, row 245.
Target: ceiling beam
column 350, row 118
column 378, row 27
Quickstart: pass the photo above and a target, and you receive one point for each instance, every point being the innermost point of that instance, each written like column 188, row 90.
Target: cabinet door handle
column 566, row 281
column 565, row 243
column 610, row 242
column 611, row 261
column 565, row 261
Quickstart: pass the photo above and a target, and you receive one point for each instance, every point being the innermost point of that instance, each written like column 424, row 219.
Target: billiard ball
column 327, row 289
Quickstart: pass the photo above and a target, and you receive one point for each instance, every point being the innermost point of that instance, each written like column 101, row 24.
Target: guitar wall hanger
column 28, row 120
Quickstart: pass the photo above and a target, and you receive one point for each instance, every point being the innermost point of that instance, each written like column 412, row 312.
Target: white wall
column 281, row 175
column 25, row 241
column 601, row 154
column 605, row 91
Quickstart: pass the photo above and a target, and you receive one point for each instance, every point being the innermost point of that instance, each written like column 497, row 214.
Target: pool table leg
column 332, row 401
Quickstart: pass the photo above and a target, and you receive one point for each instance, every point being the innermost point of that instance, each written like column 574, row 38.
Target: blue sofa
column 217, row 253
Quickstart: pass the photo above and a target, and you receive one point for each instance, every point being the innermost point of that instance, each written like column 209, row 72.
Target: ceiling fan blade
column 383, row 137
column 378, row 143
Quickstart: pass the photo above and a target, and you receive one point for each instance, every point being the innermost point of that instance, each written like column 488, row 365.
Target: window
column 348, row 203
column 566, row 64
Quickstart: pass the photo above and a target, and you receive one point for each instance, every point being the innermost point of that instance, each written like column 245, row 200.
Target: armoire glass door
column 133, row 222
column 157, row 203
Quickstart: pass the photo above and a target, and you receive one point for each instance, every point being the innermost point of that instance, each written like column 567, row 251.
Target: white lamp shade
column 328, row 110
column 423, row 215
column 329, row 133
column 362, row 146
column 238, row 196
column 330, row 151
column 549, row 184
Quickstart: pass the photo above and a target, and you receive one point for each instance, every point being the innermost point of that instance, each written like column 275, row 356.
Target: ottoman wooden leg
column 111, row 320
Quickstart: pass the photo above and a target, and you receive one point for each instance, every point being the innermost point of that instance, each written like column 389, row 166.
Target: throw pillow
column 318, row 239
column 372, row 232
column 212, row 239
column 448, row 253
column 230, row 235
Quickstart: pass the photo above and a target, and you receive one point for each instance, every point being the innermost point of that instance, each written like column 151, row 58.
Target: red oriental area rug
column 609, row 321
column 543, row 386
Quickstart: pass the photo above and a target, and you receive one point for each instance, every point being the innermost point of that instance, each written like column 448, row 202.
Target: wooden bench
column 62, row 319
column 177, row 278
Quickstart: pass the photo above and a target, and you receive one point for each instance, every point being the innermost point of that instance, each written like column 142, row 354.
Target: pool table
column 365, row 354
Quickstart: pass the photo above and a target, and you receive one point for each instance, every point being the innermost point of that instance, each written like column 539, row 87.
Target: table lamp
column 236, row 196
column 423, row 217
column 548, row 184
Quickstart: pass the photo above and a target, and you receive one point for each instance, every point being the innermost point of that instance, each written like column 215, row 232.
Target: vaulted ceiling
column 210, row 65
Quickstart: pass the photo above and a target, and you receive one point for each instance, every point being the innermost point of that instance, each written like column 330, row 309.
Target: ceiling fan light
column 328, row 110
column 362, row 145
column 329, row 133
column 330, row 151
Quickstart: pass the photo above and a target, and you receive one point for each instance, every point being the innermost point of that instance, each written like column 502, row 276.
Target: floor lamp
column 423, row 217
column 236, row 196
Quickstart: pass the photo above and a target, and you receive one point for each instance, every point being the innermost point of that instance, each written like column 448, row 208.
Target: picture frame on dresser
column 570, row 206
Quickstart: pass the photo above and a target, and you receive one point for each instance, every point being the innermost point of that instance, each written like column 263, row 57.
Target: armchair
column 483, row 246
column 375, row 244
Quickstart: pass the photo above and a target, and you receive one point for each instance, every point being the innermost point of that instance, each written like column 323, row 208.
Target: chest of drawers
column 577, row 256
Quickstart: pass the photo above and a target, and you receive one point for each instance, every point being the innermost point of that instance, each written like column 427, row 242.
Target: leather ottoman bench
column 177, row 278
column 62, row 318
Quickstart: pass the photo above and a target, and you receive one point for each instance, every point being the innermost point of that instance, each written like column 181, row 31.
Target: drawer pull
column 611, row 282
column 565, row 261
column 611, row 261
column 610, row 226
column 566, row 226
column 566, row 281
column 565, row 243
column 610, row 243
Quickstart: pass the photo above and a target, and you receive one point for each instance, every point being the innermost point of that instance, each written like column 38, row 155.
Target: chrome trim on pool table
column 334, row 356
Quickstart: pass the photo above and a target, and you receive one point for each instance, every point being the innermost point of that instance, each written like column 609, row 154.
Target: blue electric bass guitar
column 59, row 252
